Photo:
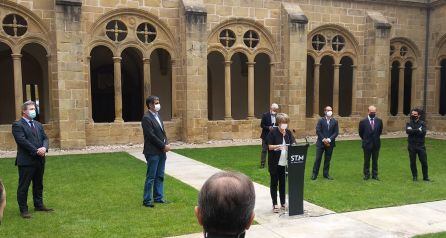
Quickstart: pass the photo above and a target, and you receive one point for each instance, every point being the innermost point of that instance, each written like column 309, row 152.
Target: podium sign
column 297, row 156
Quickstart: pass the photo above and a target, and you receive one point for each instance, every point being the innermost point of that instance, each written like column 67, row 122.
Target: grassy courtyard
column 98, row 195
column 348, row 192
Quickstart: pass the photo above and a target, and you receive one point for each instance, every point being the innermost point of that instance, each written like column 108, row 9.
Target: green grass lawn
column 98, row 195
column 433, row 235
column 348, row 192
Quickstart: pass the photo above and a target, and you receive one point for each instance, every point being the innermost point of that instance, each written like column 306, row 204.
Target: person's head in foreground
column 2, row 200
column 226, row 205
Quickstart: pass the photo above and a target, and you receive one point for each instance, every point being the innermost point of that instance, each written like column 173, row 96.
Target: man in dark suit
column 370, row 129
column 416, row 131
column 155, row 147
column 267, row 124
column 32, row 145
column 327, row 130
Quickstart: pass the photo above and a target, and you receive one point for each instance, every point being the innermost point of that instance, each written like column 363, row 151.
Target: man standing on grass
column 267, row 124
column 155, row 147
column 32, row 146
column 416, row 131
column 370, row 129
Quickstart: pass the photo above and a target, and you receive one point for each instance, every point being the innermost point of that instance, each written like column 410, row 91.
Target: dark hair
column 421, row 114
column 151, row 100
column 26, row 104
column 226, row 203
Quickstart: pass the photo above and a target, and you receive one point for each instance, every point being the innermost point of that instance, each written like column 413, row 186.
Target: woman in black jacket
column 277, row 141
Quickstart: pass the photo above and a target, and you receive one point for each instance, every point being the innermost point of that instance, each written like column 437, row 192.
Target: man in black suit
column 155, row 147
column 416, row 131
column 32, row 145
column 267, row 124
column 370, row 129
column 327, row 130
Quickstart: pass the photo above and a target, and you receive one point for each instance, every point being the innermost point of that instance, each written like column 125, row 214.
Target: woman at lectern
column 278, row 140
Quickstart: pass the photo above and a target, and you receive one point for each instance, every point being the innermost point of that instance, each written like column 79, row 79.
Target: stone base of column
column 117, row 120
column 228, row 118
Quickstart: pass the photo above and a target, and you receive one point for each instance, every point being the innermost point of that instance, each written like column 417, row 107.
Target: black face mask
column 414, row 118
column 372, row 115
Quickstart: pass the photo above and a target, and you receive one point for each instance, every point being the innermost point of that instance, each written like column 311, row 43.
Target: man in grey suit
column 155, row 147
column 32, row 145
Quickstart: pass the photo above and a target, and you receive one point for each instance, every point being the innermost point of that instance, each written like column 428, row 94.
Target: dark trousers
column 371, row 153
column 317, row 163
column 421, row 151
column 28, row 174
column 264, row 153
column 278, row 178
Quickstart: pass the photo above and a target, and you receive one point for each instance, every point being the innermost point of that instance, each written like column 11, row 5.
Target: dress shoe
column 366, row 177
column 415, row 179
column 148, row 205
column 162, row 201
column 25, row 215
column 427, row 179
column 328, row 177
column 43, row 209
column 376, row 178
column 313, row 177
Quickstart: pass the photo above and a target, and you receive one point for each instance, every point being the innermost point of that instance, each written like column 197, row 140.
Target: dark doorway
column 102, row 84
column 262, row 80
column 216, row 86
column 407, row 88
column 7, row 102
column 239, row 86
column 326, row 83
column 309, row 87
column 394, row 79
column 132, row 85
column 161, row 80
column 345, row 87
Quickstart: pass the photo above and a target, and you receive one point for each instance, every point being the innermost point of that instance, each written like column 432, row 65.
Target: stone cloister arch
column 247, row 52
column 440, row 78
column 404, row 57
column 24, row 60
column 332, row 51
column 143, row 49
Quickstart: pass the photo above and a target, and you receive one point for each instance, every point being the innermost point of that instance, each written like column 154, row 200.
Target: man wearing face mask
column 327, row 130
column 155, row 147
column 32, row 145
column 416, row 131
column 267, row 124
column 370, row 130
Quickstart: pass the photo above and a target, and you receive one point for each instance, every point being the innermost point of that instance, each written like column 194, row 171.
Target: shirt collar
column 26, row 119
column 370, row 118
column 154, row 113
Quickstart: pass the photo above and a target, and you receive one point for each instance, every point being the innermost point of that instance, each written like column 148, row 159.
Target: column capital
column 317, row 64
column 401, row 68
column 16, row 56
column 146, row 60
column 228, row 62
column 88, row 58
column 438, row 67
column 250, row 64
column 354, row 66
column 337, row 66
column 117, row 59
column 48, row 56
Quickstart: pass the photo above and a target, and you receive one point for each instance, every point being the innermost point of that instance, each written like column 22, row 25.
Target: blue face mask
column 32, row 114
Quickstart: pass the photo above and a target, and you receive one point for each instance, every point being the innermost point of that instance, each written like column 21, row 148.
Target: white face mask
column 273, row 112
column 283, row 126
column 329, row 113
column 157, row 107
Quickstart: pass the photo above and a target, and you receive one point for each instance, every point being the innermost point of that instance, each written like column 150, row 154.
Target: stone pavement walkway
column 402, row 221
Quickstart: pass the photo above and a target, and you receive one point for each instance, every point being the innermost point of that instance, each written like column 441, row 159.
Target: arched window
column 394, row 84
column 326, row 83
column 407, row 87
column 161, row 79
column 345, row 86
column 102, row 84
column 261, row 84
column 442, row 109
column 216, row 85
column 239, row 86
column 132, row 85
column 310, row 87
column 7, row 102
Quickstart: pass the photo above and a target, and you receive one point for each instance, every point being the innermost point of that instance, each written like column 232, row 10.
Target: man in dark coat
column 370, row 130
column 416, row 131
column 32, row 146
column 267, row 124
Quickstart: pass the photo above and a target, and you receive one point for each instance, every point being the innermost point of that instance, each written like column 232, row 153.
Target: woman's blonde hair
column 282, row 118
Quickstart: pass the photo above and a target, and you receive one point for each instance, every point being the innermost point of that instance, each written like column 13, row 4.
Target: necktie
column 372, row 123
column 33, row 128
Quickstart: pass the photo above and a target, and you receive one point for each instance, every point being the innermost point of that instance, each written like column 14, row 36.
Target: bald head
column 372, row 109
column 226, row 203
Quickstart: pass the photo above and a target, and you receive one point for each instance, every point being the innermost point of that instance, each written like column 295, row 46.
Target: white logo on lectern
column 297, row 159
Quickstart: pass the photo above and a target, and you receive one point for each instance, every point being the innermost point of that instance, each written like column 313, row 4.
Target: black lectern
column 297, row 156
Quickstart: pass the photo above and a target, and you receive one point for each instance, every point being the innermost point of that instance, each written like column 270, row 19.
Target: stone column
column 336, row 90
column 90, row 97
column 18, row 89
column 438, row 90
column 413, row 89
column 354, row 89
column 401, row 92
column 147, row 84
column 316, row 74
column 271, row 83
column 250, row 89
column 118, row 89
column 228, row 113
column 174, row 87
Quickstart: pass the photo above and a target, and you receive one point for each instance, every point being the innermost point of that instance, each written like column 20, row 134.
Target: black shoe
column 427, row 180
column 375, row 178
column 262, row 166
column 148, row 205
column 25, row 215
column 162, row 201
column 415, row 179
column 313, row 177
column 366, row 177
column 43, row 209
column 328, row 177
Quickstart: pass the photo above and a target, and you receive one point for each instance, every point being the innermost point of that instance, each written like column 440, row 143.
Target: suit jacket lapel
column 28, row 129
column 152, row 117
